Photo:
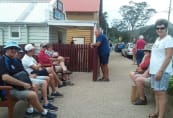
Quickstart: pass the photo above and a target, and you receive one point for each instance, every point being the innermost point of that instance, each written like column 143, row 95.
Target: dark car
column 119, row 47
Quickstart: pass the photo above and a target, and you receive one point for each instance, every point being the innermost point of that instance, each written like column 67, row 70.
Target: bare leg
column 105, row 71
column 44, row 92
column 52, row 83
column 162, row 100
column 140, row 87
column 33, row 100
column 157, row 102
column 62, row 64
column 133, row 77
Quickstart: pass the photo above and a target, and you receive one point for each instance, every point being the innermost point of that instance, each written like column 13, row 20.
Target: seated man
column 44, row 59
column 141, row 81
column 42, row 83
column 10, row 66
column 32, row 67
column 56, row 58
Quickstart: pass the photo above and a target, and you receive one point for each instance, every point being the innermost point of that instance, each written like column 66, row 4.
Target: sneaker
column 50, row 99
column 140, row 102
column 62, row 85
column 57, row 94
column 50, row 107
column 49, row 115
column 30, row 115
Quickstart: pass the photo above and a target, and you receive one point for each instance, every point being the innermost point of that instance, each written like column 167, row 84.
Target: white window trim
column 15, row 38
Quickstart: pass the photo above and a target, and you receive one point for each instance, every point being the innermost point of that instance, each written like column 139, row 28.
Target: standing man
column 140, row 44
column 103, row 52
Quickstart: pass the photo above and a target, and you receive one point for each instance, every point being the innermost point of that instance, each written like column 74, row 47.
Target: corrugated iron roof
column 24, row 12
column 81, row 5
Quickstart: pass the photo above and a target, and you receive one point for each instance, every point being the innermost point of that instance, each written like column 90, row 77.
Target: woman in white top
column 161, row 67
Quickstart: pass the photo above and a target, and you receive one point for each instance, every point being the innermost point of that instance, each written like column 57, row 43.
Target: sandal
column 153, row 115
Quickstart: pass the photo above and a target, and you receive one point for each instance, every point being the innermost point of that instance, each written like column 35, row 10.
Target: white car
column 128, row 50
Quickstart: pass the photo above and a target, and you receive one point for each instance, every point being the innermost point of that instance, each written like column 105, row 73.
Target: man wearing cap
column 29, row 62
column 32, row 67
column 6, row 75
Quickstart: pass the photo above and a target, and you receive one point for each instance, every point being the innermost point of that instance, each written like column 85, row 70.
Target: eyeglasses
column 160, row 28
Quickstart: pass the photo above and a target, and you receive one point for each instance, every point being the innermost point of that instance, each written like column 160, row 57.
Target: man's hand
column 91, row 45
column 26, row 86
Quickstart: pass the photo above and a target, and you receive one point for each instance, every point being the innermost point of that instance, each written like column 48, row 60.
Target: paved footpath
column 88, row 99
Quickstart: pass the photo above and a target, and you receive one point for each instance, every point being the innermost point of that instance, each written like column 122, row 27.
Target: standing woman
column 161, row 67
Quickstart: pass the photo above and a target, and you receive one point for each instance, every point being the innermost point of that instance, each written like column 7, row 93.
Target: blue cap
column 11, row 43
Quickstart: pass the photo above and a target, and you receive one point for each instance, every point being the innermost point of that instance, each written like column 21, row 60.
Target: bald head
column 97, row 32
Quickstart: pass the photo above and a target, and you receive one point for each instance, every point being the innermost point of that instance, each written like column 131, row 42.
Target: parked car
column 127, row 51
column 119, row 47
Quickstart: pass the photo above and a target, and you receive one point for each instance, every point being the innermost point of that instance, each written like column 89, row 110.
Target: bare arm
column 169, row 53
column 97, row 44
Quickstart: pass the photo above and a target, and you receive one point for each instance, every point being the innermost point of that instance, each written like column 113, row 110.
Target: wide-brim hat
column 11, row 43
column 147, row 47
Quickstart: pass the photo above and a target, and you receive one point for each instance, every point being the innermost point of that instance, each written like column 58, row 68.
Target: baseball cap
column 11, row 43
column 29, row 47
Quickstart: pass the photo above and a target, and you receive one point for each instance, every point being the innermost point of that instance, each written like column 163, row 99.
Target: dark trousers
column 139, row 56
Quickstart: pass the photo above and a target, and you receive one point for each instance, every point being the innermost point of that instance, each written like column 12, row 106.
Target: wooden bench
column 9, row 102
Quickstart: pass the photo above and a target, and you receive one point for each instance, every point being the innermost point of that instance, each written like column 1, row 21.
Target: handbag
column 22, row 76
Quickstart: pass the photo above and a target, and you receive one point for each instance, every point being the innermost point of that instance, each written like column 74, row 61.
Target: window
column 14, row 32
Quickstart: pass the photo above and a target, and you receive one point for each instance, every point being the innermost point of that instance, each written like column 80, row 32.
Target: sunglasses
column 160, row 28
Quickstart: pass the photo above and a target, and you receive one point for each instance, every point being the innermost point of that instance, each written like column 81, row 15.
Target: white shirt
column 158, row 54
column 27, row 62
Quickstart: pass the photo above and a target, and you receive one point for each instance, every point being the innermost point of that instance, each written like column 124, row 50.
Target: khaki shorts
column 20, row 94
column 147, row 82
column 58, row 68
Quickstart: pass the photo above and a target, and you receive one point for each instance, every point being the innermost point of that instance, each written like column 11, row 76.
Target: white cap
column 29, row 47
column 141, row 37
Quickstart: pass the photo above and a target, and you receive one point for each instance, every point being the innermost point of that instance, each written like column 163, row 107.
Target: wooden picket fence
column 83, row 58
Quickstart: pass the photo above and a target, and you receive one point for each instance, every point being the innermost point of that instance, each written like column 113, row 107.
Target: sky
column 161, row 6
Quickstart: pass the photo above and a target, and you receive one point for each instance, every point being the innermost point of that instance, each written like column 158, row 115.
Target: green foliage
column 170, row 88
column 135, row 14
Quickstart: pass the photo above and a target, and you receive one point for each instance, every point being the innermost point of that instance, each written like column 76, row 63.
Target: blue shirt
column 104, row 47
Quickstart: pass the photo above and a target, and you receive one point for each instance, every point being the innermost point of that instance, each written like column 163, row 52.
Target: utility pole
column 169, row 12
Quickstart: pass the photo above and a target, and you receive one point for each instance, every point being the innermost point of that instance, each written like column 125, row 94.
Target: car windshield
column 131, row 45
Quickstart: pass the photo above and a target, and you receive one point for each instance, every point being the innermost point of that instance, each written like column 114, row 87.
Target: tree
column 103, row 22
column 134, row 16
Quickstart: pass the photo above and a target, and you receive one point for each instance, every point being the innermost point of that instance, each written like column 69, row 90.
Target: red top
column 140, row 44
column 43, row 58
column 145, row 63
